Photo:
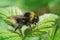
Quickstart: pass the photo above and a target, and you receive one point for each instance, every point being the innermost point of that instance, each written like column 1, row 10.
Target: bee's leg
column 30, row 27
column 16, row 28
column 20, row 30
column 15, row 25
column 37, row 26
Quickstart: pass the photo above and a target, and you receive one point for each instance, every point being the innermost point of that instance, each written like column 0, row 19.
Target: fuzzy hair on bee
column 28, row 19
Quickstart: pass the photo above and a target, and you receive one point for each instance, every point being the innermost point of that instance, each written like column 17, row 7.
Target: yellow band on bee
column 32, row 15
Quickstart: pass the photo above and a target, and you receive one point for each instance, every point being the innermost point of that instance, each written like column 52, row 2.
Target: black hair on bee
column 30, row 16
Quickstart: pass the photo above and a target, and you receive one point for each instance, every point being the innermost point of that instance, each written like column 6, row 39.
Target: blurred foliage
column 26, row 5
column 54, row 7
column 33, row 5
column 49, row 24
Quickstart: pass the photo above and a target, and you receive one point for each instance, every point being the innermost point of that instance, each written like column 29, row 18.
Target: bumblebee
column 27, row 19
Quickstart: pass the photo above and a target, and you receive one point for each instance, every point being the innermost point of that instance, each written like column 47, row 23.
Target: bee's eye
column 36, row 19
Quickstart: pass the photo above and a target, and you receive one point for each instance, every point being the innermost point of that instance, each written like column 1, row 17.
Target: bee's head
column 36, row 19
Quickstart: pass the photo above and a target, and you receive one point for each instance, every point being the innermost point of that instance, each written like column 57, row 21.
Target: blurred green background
column 49, row 22
column 33, row 5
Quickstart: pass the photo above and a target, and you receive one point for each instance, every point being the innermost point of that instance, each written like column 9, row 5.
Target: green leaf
column 5, row 34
